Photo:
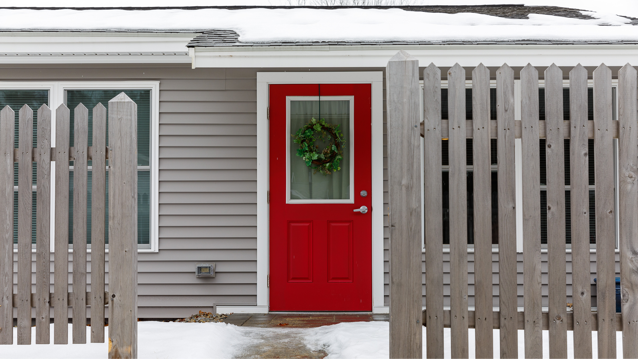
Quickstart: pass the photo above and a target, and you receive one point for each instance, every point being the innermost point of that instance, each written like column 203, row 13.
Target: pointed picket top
column 456, row 69
column 480, row 70
column 553, row 70
column 505, row 69
column 432, row 76
column 44, row 107
column 432, row 72
column 99, row 107
column 627, row 71
column 62, row 112
column 578, row 71
column 26, row 109
column 529, row 70
column 44, row 114
column 602, row 71
column 26, row 114
column 43, row 111
column 121, row 97
column 401, row 56
column 8, row 110
column 432, row 96
column 80, row 107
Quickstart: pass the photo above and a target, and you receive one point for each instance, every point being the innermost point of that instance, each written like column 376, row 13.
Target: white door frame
column 263, row 167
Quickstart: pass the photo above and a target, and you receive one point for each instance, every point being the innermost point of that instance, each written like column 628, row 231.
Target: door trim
column 264, row 79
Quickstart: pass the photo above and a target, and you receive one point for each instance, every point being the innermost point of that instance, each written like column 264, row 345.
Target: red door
column 320, row 248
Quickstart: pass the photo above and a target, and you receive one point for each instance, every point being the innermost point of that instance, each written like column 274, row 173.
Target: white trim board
column 263, row 219
column 440, row 55
column 56, row 98
column 73, row 48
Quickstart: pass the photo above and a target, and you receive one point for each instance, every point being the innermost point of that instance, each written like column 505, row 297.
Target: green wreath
column 327, row 160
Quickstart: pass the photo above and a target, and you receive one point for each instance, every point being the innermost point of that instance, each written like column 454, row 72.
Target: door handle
column 363, row 210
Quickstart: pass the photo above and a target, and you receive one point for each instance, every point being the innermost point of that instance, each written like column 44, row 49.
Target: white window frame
column 519, row 168
column 56, row 98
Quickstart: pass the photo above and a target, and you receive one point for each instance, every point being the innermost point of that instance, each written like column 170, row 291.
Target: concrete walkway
column 280, row 335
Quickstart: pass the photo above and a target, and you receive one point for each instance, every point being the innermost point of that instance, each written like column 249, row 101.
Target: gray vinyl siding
column 207, row 184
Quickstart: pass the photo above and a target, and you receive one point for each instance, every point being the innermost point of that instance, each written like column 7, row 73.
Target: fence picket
column 531, row 212
column 80, row 162
column 628, row 193
column 7, row 127
column 506, row 212
column 555, row 152
column 123, row 228
column 61, row 265
column 605, row 221
column 433, row 198
column 43, row 232
column 482, row 211
column 579, row 191
column 25, row 196
column 458, row 211
column 97, row 223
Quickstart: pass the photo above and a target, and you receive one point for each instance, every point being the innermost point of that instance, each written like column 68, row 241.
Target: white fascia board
column 440, row 55
column 98, row 47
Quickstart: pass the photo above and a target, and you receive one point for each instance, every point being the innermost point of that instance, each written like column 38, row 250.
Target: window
column 542, row 179
column 592, row 204
column 469, row 161
column 90, row 94
column 16, row 99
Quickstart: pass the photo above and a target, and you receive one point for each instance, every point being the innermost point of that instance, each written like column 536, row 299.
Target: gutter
column 443, row 55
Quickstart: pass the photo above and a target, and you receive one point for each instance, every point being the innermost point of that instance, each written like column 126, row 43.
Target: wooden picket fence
column 403, row 137
column 122, row 295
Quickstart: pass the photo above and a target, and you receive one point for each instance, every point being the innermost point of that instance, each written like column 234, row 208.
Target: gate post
column 123, row 227
column 402, row 81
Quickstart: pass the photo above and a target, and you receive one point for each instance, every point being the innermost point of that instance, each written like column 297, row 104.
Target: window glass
column 470, row 175
column 90, row 98
column 543, row 169
column 16, row 99
column 304, row 182
column 543, row 176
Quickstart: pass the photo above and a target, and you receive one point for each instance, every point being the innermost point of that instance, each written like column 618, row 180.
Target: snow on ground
column 159, row 340
column 259, row 25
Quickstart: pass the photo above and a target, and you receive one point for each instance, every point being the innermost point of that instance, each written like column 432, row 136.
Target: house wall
column 207, row 188
column 207, row 183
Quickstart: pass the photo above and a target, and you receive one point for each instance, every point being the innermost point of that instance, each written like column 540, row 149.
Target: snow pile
column 351, row 340
column 157, row 340
column 371, row 341
column 265, row 25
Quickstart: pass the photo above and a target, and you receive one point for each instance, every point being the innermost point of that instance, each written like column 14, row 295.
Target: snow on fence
column 122, row 157
column 405, row 283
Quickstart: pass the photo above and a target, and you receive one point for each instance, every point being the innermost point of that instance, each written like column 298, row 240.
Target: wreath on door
column 327, row 160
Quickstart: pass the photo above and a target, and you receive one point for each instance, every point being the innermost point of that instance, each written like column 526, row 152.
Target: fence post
column 7, row 127
column 405, row 200
column 628, row 172
column 123, row 227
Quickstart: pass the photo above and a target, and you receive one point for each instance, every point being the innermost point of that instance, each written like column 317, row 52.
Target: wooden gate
column 122, row 161
column 403, row 121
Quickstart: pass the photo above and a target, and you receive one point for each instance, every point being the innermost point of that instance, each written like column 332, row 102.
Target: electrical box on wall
column 205, row 270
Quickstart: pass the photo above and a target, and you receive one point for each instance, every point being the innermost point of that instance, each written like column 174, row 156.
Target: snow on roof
column 263, row 25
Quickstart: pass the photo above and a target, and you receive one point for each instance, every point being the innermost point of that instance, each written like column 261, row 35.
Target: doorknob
column 363, row 210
